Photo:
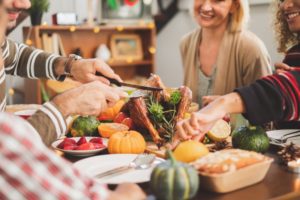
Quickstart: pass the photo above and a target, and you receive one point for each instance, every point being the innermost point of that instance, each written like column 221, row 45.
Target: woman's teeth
column 292, row 15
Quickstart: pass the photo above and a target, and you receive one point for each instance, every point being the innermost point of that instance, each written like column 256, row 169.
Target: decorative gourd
column 172, row 180
column 126, row 142
column 252, row 138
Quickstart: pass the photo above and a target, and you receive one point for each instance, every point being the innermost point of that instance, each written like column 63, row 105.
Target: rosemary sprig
column 163, row 119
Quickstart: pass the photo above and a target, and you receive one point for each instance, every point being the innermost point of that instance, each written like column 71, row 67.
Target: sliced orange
column 112, row 112
column 108, row 129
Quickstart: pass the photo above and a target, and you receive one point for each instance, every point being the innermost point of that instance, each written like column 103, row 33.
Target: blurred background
column 172, row 19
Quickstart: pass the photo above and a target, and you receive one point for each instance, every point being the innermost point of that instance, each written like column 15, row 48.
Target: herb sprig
column 163, row 114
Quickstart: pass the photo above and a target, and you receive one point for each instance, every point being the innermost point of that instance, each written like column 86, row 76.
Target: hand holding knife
column 119, row 84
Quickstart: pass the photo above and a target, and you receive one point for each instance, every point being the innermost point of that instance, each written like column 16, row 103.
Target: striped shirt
column 273, row 98
column 29, row 62
column 29, row 170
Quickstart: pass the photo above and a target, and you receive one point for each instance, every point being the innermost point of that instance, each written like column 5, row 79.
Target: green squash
column 172, row 180
column 252, row 138
column 85, row 126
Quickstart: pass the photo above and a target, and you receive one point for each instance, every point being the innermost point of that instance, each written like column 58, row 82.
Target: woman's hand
column 202, row 121
column 208, row 99
column 281, row 67
column 84, row 70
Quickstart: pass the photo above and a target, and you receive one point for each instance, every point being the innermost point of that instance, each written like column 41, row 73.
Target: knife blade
column 119, row 84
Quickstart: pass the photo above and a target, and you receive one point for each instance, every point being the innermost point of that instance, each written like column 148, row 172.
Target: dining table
column 278, row 184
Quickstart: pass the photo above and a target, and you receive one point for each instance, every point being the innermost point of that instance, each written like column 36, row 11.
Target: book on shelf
column 53, row 44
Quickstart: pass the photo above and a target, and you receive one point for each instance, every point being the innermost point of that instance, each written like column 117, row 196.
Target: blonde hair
column 240, row 18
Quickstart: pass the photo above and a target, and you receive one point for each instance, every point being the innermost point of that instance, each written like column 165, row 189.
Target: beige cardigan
column 242, row 59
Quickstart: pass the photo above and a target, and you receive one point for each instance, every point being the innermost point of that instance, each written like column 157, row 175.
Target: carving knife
column 119, row 84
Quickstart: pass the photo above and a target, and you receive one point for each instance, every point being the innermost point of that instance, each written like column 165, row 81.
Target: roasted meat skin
column 184, row 104
column 139, row 114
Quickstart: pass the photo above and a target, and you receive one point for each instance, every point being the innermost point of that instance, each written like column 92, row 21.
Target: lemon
column 189, row 151
column 220, row 131
column 187, row 115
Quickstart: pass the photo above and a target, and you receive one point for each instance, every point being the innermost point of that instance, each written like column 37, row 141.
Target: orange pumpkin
column 111, row 113
column 126, row 142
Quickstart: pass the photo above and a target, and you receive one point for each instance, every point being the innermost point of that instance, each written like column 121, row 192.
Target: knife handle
column 111, row 80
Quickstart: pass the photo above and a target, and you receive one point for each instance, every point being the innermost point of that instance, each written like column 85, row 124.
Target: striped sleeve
column 2, row 89
column 49, row 123
column 29, row 62
column 273, row 98
column 29, row 170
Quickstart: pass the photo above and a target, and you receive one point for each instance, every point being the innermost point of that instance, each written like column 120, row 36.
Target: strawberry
column 99, row 146
column 96, row 140
column 120, row 117
column 65, row 142
column 86, row 146
column 82, row 140
column 70, row 147
column 128, row 122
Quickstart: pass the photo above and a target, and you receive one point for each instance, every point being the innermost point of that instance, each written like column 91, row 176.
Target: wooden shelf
column 88, row 39
column 129, row 63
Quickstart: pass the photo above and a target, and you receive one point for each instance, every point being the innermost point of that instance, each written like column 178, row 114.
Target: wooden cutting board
column 152, row 148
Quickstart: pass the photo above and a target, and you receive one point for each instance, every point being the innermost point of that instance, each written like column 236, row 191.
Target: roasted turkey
column 158, row 112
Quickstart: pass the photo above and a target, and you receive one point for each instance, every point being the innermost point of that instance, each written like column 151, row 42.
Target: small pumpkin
column 172, row 180
column 251, row 138
column 126, row 142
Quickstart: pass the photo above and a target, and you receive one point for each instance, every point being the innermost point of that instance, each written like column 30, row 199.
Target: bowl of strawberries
column 80, row 146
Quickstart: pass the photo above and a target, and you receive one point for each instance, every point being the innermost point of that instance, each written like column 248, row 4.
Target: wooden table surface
column 278, row 184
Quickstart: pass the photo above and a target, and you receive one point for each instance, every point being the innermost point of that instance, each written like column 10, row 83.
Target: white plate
column 277, row 134
column 80, row 152
column 98, row 164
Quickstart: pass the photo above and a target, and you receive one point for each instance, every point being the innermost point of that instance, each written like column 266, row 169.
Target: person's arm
column 29, row 170
column 29, row 62
column 24, row 61
column 275, row 97
column 272, row 98
column 87, row 99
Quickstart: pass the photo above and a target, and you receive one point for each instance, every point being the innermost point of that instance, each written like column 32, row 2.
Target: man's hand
column 88, row 99
column 127, row 191
column 84, row 70
column 281, row 67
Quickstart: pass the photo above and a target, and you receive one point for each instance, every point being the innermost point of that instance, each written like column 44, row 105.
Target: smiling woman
column 222, row 47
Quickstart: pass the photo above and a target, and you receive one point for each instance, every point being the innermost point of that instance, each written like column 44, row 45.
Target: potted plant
column 38, row 7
